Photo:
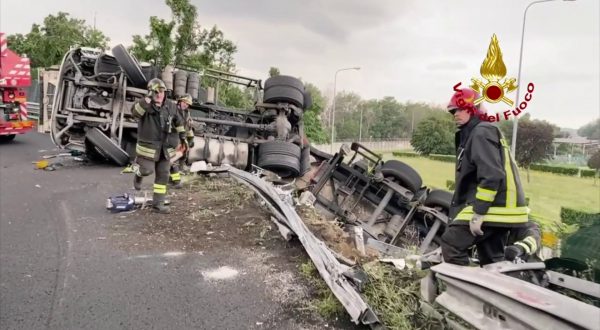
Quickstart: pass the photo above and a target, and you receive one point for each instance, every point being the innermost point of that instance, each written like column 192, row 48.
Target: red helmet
column 465, row 99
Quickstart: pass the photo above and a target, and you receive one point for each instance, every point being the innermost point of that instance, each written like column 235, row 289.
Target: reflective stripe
column 144, row 151
column 511, row 190
column 497, row 214
column 190, row 133
column 524, row 246
column 485, row 194
column 176, row 176
column 180, row 129
column 530, row 241
column 138, row 108
column 172, row 152
column 160, row 188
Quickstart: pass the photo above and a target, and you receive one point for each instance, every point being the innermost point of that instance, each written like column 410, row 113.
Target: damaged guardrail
column 341, row 279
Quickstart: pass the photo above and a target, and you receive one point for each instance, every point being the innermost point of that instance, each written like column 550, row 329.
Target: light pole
column 333, row 105
column 513, row 146
column 360, row 128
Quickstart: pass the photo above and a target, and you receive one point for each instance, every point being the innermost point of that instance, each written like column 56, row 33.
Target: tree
column 391, row 121
column 434, row 135
column 182, row 42
column 594, row 163
column 313, row 127
column 590, row 130
column 273, row 71
column 534, row 142
column 46, row 44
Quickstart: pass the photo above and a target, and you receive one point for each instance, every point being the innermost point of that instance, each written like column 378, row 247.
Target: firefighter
column 488, row 200
column 183, row 104
column 160, row 129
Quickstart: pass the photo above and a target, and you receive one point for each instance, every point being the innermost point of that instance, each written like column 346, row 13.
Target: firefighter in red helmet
column 488, row 199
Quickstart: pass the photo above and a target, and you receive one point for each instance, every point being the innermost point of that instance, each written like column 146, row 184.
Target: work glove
column 513, row 251
column 475, row 224
column 190, row 142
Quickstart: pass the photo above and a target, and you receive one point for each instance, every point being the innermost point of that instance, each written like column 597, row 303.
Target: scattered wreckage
column 382, row 202
column 379, row 202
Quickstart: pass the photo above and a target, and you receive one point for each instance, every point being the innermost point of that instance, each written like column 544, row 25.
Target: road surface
column 61, row 267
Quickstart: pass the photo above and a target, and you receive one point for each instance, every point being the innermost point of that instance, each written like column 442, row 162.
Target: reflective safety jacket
column 187, row 123
column 487, row 179
column 160, row 128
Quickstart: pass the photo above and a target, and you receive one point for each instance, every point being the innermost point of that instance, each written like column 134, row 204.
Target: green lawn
column 547, row 192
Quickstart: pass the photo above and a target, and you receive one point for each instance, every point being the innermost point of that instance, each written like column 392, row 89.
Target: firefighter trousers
column 161, row 177
column 175, row 171
column 457, row 239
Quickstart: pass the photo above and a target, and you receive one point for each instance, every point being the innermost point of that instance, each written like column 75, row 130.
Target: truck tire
column 438, row 197
column 167, row 77
column 404, row 174
column 280, row 157
column 284, row 89
column 180, row 82
column 130, row 66
column 193, row 83
column 284, row 94
column 7, row 138
column 107, row 147
column 284, row 81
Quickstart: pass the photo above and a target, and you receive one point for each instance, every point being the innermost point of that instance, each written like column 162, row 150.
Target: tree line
column 182, row 41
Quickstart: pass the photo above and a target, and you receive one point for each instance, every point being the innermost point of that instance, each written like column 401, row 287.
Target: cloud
column 447, row 66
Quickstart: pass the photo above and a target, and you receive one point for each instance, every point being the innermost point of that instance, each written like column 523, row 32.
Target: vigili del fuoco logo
column 495, row 86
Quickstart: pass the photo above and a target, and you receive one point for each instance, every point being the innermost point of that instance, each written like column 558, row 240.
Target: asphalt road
column 58, row 270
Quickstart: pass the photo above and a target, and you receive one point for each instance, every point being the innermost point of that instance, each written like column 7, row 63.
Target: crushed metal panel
column 330, row 269
column 527, row 294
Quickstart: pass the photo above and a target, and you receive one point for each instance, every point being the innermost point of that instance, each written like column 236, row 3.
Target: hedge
column 443, row 158
column 555, row 169
column 588, row 173
column 577, row 217
column 405, row 154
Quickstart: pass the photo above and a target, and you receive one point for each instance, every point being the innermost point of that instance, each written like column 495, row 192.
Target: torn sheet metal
column 330, row 269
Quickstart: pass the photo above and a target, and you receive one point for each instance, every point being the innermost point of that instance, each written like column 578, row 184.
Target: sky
column 411, row 50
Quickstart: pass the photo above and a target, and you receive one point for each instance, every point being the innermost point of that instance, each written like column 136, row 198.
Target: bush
column 405, row 154
column 434, row 135
column 555, row 169
column 588, row 173
column 577, row 217
column 443, row 158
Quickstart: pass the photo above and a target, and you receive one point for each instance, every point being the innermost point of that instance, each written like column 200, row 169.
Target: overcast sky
column 412, row 50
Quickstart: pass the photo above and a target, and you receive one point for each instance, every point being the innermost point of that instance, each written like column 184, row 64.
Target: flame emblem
column 493, row 70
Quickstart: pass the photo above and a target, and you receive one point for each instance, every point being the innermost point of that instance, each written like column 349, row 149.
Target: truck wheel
column 180, row 82
column 284, row 89
column 107, row 146
column 307, row 100
column 404, row 174
column 130, row 66
column 193, row 83
column 437, row 197
column 281, row 157
column 7, row 138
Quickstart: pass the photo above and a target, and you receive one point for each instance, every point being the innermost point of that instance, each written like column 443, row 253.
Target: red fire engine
column 15, row 77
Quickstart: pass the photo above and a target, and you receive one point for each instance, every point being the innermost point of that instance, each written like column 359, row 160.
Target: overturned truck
column 95, row 92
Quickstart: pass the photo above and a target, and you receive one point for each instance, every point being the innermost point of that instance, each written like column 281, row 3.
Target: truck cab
column 15, row 77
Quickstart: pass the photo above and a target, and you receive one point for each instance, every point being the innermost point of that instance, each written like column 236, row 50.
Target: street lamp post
column 516, row 121
column 333, row 105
